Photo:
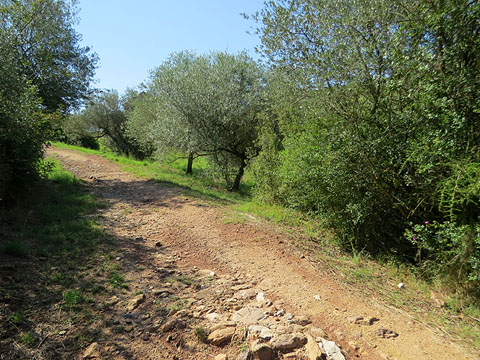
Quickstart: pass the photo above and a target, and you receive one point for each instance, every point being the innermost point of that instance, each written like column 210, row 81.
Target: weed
column 73, row 298
column 234, row 218
column 15, row 248
column 117, row 280
column 27, row 339
column 17, row 317
column 201, row 334
column 177, row 306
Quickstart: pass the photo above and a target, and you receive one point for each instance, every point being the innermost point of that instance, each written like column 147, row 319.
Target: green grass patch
column 199, row 184
column 28, row 339
column 117, row 280
column 73, row 298
column 49, row 246
column 16, row 248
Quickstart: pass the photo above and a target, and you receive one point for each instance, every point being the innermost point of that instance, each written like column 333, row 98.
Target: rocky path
column 203, row 288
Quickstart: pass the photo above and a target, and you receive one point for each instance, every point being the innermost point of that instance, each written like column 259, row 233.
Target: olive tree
column 213, row 102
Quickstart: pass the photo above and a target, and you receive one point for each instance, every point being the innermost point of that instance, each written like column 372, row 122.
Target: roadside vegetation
column 51, row 247
column 431, row 302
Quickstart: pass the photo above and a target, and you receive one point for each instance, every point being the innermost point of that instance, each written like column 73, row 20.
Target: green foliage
column 47, row 51
column 28, row 339
column 450, row 251
column 373, row 121
column 73, row 298
column 42, row 71
column 14, row 248
column 204, row 106
column 105, row 117
column 201, row 334
column 18, row 317
column 117, row 280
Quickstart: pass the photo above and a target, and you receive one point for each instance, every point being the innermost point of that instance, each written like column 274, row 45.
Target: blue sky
column 133, row 37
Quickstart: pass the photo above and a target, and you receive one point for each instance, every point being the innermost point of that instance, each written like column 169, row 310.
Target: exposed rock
column 265, row 284
column 92, row 351
column 222, row 336
column 204, row 294
column 332, row 350
column 262, row 351
column 401, row 285
column 261, row 298
column 248, row 315
column 174, row 324
column 212, row 317
column 245, row 355
column 361, row 321
column 317, row 332
column 288, row 342
column 221, row 357
column 262, row 332
column 301, row 320
column 223, row 325
column 241, row 287
column 112, row 301
column 386, row 334
column 313, row 350
column 206, row 273
column 133, row 303
column 247, row 294
column 162, row 292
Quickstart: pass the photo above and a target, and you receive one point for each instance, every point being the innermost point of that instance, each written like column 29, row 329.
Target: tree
column 42, row 70
column 215, row 100
column 105, row 116
column 23, row 129
column 47, row 48
column 386, row 96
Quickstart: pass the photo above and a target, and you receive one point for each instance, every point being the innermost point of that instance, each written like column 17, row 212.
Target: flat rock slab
column 288, row 342
column 332, row 350
column 262, row 332
column 221, row 337
column 135, row 302
column 248, row 315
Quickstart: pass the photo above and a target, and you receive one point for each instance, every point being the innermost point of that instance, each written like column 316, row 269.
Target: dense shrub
column 23, row 128
column 377, row 124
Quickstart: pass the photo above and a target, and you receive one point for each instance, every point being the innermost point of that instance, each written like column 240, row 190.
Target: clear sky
column 132, row 37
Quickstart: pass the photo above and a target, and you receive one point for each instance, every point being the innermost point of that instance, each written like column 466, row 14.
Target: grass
column 28, row 339
column 201, row 334
column 117, row 280
column 48, row 243
column 73, row 298
column 357, row 270
column 177, row 306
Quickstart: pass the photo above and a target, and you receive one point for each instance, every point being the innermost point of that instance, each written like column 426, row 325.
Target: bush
column 449, row 251
column 23, row 129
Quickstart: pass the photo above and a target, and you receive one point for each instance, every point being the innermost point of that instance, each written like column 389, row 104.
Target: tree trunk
column 190, row 164
column 238, row 178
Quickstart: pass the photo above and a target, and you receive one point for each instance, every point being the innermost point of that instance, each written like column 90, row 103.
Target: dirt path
column 251, row 253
